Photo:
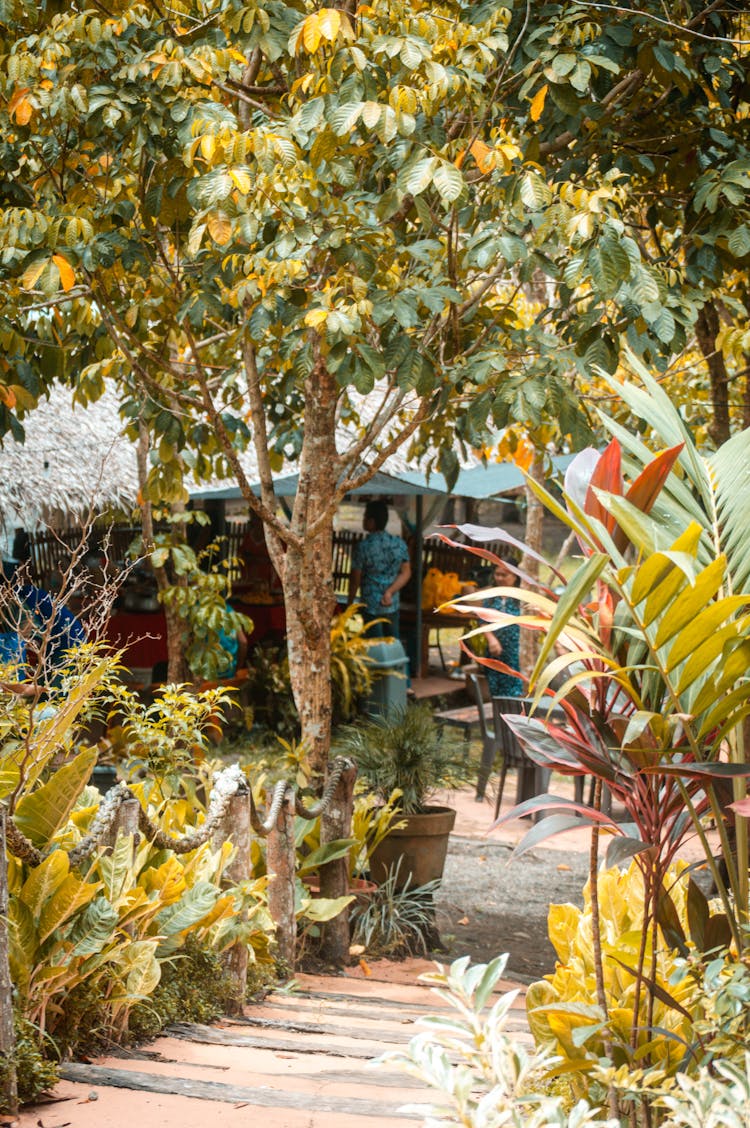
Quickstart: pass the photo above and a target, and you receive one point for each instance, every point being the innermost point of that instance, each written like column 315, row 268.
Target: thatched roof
column 73, row 458
column 76, row 459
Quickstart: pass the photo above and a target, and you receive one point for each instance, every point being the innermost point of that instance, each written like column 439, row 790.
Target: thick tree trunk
column 309, row 603
column 308, row 569
column 530, row 640
column 707, row 329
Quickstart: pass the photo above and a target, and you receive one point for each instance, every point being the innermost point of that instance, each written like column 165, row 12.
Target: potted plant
column 407, row 754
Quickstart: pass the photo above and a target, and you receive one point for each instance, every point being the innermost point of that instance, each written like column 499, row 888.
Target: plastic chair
column 496, row 739
column 532, row 778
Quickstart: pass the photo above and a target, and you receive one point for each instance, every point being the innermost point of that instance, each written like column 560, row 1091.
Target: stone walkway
column 299, row 1059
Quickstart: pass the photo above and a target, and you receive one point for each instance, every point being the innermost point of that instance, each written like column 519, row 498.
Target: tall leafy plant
column 647, row 649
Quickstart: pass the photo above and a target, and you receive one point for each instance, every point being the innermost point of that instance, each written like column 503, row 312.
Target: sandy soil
column 490, row 903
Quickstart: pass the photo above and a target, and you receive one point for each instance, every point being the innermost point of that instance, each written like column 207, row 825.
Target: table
column 431, row 620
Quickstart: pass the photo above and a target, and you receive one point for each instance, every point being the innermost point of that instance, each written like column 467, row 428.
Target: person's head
column 502, row 575
column 376, row 516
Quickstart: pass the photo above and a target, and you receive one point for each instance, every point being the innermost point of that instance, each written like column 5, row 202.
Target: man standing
column 380, row 564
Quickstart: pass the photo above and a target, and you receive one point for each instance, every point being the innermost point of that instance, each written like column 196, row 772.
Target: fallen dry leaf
column 562, row 866
column 464, row 920
column 357, row 949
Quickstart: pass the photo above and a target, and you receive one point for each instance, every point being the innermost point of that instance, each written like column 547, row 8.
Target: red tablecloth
column 143, row 635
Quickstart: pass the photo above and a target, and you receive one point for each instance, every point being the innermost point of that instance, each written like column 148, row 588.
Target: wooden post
column 8, row 1085
column 125, row 822
column 336, row 822
column 235, row 828
column 281, row 864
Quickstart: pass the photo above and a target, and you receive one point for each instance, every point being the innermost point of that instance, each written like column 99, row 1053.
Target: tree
column 304, row 229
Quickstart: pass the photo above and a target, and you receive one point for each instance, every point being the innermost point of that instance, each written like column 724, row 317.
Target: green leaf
column 449, row 182
column 535, row 191
column 344, row 118
column 195, row 904
column 321, row 909
column 418, row 176
column 328, row 853
column 640, row 529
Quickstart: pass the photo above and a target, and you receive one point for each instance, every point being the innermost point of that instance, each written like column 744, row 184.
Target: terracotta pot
column 422, row 844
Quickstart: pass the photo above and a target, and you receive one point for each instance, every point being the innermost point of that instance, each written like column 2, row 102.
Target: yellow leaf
column 311, row 33
column 219, row 227
column 22, row 111
column 208, row 146
column 329, row 22
column 316, row 317
column 8, row 397
column 67, row 275
column 32, row 274
column 241, row 179
column 537, row 103
column 509, row 153
column 482, row 154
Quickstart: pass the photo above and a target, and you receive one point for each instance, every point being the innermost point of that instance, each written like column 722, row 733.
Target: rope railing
column 231, row 811
column 228, row 782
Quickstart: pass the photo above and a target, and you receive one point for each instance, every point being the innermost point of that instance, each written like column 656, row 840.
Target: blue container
column 390, row 669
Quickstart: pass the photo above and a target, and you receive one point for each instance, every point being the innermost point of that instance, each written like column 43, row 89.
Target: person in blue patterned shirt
column 505, row 642
column 380, row 566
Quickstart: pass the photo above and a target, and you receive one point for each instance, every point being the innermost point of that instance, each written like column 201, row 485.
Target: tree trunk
column 309, row 602
column 336, row 823
column 530, row 640
column 707, row 329
column 307, row 577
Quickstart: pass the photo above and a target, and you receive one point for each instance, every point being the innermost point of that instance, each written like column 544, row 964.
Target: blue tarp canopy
column 492, row 480
column 379, row 484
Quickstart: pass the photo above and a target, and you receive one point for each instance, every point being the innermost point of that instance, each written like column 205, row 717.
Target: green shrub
column 35, row 1072
column 483, row 1077
column 396, row 922
column 404, row 752
column 194, row 987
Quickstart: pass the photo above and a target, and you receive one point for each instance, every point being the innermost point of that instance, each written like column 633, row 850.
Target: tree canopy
column 309, row 227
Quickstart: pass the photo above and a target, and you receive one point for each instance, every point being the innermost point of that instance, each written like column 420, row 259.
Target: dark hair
column 377, row 511
column 508, row 553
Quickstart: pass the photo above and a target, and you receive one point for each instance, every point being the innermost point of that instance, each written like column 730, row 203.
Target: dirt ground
column 490, row 904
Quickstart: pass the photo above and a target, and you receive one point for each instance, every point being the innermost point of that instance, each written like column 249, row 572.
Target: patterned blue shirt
column 379, row 558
